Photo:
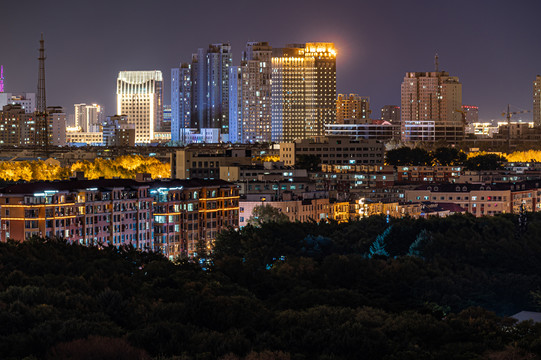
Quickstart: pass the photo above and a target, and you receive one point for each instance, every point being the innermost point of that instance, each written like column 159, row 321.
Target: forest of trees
column 436, row 288
column 122, row 167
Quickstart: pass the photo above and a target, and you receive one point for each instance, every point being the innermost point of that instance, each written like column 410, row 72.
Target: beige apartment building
column 296, row 210
column 352, row 107
column 477, row 199
column 334, row 150
column 431, row 99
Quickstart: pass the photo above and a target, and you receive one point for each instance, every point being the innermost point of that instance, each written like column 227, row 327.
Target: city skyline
column 491, row 52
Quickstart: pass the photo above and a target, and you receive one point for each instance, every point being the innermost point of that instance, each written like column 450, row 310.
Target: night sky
column 494, row 47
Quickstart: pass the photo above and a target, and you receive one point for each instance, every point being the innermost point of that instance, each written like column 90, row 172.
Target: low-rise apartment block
column 334, row 150
column 170, row 217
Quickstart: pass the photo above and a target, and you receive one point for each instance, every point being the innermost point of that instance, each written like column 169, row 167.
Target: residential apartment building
column 250, row 95
column 352, row 107
column 181, row 102
column 482, row 199
column 26, row 100
column 89, row 117
column 89, row 212
column 302, row 210
column 391, row 113
column 334, row 150
column 140, row 98
column 432, row 97
column 170, row 217
column 191, row 212
column 204, row 161
column 17, row 127
column 117, row 131
column 210, row 87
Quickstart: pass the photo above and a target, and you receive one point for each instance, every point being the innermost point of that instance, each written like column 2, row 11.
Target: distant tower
column 1, row 78
column 42, row 102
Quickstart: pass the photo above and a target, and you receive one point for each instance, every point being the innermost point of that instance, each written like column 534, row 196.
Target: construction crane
column 508, row 115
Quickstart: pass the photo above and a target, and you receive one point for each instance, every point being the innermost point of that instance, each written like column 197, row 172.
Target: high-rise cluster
column 279, row 94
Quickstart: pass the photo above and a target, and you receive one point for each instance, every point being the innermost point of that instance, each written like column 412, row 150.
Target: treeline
column 123, row 167
column 409, row 289
column 445, row 156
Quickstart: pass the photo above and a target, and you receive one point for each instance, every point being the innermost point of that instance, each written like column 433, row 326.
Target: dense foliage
column 411, row 289
column 123, row 167
column 446, row 156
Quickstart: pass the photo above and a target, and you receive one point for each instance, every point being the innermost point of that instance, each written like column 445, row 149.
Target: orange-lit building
column 165, row 216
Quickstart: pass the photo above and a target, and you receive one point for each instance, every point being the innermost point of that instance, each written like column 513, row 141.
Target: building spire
column 41, row 99
column 437, row 62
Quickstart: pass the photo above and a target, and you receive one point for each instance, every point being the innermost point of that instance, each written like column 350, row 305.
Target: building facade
column 140, row 98
column 391, row 113
column 352, row 107
column 432, row 97
column 293, row 104
column 117, row 131
column 210, row 87
column 471, row 114
column 303, row 90
column 181, row 102
column 89, row 117
column 334, row 150
column 168, row 217
column 250, row 95
column 26, row 100
column 537, row 101
column 324, row 88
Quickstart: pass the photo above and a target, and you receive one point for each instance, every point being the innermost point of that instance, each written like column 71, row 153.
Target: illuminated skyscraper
column 431, row 100
column 181, row 101
column 292, row 93
column 324, row 55
column 210, row 91
column 140, row 97
column 250, row 95
column 352, row 107
column 303, row 90
column 537, row 101
column 89, row 117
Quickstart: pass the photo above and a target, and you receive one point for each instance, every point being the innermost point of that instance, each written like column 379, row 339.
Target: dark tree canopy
column 308, row 162
column 405, row 156
column 435, row 289
column 266, row 213
column 484, row 162
column 447, row 156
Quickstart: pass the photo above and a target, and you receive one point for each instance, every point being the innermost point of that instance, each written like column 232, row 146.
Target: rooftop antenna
column 436, row 62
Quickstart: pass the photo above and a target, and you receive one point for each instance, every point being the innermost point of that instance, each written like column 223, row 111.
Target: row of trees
column 123, row 167
column 408, row 289
column 443, row 156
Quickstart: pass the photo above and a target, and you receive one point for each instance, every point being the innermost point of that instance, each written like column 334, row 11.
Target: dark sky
column 494, row 47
